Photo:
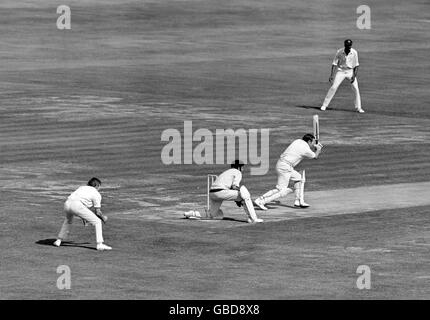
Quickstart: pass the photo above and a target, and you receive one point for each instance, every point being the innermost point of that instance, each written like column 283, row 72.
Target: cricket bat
column 316, row 125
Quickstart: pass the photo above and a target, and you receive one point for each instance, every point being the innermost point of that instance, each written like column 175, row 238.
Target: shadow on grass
column 277, row 204
column 233, row 219
column 216, row 220
column 328, row 109
column 308, row 107
column 50, row 242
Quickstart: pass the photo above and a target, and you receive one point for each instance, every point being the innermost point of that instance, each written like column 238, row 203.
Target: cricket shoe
column 102, row 246
column 323, row 108
column 57, row 243
column 192, row 215
column 260, row 204
column 258, row 220
column 301, row 204
column 360, row 110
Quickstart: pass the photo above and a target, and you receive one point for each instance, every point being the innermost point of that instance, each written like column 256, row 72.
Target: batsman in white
column 227, row 187
column 345, row 65
column 79, row 204
column 291, row 157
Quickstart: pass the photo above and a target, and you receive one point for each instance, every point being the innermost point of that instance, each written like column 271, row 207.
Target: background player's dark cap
column 348, row 42
column 237, row 164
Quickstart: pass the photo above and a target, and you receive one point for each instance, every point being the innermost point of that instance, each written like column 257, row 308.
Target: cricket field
column 95, row 100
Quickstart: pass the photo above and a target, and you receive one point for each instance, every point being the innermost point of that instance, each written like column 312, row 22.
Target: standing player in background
column 227, row 187
column 346, row 64
column 291, row 157
column 79, row 204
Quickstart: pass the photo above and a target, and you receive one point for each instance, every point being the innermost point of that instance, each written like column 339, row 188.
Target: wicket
column 210, row 180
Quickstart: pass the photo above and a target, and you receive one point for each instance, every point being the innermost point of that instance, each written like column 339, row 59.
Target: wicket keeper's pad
column 248, row 206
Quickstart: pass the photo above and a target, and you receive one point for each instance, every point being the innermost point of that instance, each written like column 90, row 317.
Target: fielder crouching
column 227, row 188
column 79, row 204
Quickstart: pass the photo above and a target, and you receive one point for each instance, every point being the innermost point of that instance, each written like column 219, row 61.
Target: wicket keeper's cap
column 237, row 164
column 348, row 42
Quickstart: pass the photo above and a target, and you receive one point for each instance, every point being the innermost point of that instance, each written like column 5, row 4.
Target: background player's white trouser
column 75, row 207
column 285, row 173
column 340, row 76
column 216, row 199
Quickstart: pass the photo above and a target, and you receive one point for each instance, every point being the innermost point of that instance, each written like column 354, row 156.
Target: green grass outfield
column 94, row 101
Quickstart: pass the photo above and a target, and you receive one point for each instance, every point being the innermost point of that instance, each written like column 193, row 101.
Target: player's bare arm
column 332, row 73
column 99, row 214
column 354, row 75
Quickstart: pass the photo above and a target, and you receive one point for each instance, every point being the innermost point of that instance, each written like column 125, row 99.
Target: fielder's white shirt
column 346, row 62
column 296, row 152
column 227, row 179
column 89, row 196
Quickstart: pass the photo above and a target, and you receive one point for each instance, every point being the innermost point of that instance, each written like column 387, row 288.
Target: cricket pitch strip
column 323, row 204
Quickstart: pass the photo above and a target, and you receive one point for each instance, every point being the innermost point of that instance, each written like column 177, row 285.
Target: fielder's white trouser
column 340, row 76
column 76, row 208
column 216, row 199
column 285, row 173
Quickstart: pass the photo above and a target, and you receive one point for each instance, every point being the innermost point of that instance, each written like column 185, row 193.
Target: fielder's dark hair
column 93, row 182
column 308, row 137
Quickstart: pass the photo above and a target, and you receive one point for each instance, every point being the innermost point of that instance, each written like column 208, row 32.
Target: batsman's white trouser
column 285, row 173
column 76, row 208
column 338, row 79
column 216, row 199
column 301, row 195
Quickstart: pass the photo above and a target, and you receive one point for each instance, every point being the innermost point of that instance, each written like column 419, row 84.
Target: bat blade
column 316, row 126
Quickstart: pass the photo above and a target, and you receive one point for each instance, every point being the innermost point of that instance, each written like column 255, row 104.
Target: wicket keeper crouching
column 227, row 188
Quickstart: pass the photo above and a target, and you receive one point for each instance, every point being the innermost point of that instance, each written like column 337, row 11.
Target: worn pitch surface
column 95, row 100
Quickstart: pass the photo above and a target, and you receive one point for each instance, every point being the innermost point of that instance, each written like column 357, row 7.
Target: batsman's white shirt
column 88, row 196
column 346, row 61
column 227, row 179
column 296, row 152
